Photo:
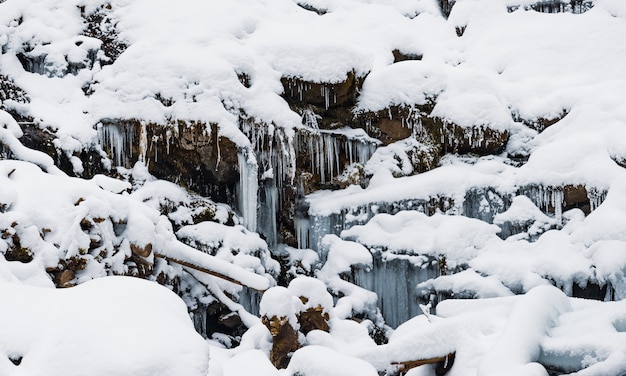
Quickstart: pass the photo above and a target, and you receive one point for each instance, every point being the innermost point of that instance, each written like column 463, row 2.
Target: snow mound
column 307, row 361
column 108, row 326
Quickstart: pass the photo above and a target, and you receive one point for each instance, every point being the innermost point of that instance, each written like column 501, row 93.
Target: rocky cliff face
column 276, row 140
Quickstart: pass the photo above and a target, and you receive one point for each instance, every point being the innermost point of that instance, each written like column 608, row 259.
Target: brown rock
column 393, row 130
column 64, row 278
column 313, row 318
column 326, row 95
column 576, row 196
column 478, row 139
column 189, row 153
column 141, row 251
column 402, row 56
column 284, row 338
column 230, row 320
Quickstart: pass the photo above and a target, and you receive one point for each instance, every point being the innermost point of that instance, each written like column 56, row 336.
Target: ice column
column 248, row 188
column 268, row 207
column 394, row 279
column 303, row 227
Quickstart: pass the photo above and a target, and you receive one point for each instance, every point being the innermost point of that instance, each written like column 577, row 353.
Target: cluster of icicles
column 311, row 230
column 328, row 148
column 265, row 166
column 270, row 163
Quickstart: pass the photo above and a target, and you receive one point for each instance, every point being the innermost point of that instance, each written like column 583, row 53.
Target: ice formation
column 443, row 181
column 329, row 150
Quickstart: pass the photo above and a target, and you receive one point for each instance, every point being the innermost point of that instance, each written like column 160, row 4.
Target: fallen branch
column 204, row 270
column 445, row 362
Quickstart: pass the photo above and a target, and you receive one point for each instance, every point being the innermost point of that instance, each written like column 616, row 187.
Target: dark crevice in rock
column 540, row 124
column 620, row 161
column 30, row 63
column 485, row 203
column 215, row 317
column 40, row 64
column 42, row 140
column 9, row 91
column 245, row 79
column 446, row 7
column 195, row 158
column 11, row 94
column 326, row 155
column 100, row 25
column 589, row 291
column 312, row 8
column 403, row 56
column 16, row 359
column 556, row 6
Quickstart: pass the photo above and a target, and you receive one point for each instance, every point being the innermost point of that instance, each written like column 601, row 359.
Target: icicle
column 349, row 152
column 168, row 140
column 325, row 92
column 302, row 232
column 154, row 144
column 143, row 143
column 268, row 207
column 248, row 188
column 557, row 202
column 596, row 198
column 219, row 154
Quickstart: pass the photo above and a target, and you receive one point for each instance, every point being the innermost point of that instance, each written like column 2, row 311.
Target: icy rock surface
column 399, row 153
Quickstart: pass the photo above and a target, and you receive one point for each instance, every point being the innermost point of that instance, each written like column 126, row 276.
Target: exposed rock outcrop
column 284, row 340
column 189, row 153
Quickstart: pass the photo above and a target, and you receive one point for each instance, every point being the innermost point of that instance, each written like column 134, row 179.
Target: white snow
column 280, row 302
column 506, row 71
column 314, row 291
column 414, row 233
column 517, row 348
column 306, row 361
column 108, row 326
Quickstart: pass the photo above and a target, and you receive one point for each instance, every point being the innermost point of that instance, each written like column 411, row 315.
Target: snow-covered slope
column 390, row 153
column 108, row 326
